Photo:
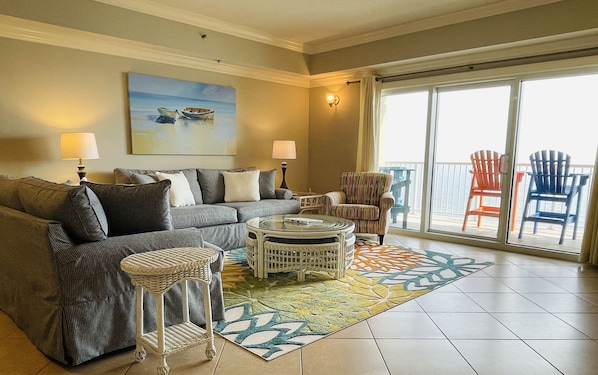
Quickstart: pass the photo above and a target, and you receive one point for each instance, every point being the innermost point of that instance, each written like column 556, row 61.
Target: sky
column 557, row 113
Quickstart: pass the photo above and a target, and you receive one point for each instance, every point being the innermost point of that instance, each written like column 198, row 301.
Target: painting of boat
column 193, row 113
column 167, row 115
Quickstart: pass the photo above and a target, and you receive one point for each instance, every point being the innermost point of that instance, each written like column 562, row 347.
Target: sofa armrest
column 387, row 200
column 283, row 193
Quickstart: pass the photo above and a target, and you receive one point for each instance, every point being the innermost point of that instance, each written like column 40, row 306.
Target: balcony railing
column 451, row 184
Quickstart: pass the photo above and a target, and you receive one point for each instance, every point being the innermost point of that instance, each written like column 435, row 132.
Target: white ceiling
column 319, row 25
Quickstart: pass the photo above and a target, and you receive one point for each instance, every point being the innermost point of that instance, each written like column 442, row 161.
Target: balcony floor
column 547, row 236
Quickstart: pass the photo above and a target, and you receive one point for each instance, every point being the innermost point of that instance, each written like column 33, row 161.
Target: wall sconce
column 332, row 100
column 284, row 150
column 80, row 146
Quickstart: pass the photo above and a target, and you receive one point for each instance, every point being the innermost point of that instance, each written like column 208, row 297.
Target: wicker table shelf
column 156, row 272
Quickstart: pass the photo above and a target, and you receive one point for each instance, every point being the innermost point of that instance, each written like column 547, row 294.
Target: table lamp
column 284, row 150
column 79, row 146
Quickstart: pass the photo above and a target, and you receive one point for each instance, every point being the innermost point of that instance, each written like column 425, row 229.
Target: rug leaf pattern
column 271, row 317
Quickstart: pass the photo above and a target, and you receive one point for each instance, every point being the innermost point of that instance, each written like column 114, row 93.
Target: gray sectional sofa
column 220, row 222
column 60, row 276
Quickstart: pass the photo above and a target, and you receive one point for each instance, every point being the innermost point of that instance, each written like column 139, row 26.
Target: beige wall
column 332, row 136
column 49, row 90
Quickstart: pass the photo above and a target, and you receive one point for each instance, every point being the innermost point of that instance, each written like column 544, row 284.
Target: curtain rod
column 351, row 82
column 493, row 64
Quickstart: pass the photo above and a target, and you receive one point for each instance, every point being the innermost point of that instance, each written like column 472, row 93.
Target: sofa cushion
column 265, row 207
column 241, row 186
column 135, row 176
column 135, row 208
column 77, row 207
column 268, row 184
column 98, row 275
column 9, row 193
column 180, row 191
column 202, row 215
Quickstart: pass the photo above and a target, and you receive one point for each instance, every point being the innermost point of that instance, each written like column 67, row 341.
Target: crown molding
column 575, row 41
column 157, row 9
column 153, row 8
column 42, row 33
column 36, row 32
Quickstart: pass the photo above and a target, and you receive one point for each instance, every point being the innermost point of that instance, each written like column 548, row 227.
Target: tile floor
column 524, row 315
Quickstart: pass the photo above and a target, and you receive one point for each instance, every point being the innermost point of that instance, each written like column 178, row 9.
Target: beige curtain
column 369, row 127
column 589, row 245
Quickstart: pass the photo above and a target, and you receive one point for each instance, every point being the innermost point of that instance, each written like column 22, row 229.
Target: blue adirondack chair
column 552, row 182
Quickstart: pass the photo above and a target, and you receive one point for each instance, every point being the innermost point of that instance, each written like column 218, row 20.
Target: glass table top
column 300, row 223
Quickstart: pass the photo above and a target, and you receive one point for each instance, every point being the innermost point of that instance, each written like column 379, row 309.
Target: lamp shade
column 78, row 146
column 284, row 150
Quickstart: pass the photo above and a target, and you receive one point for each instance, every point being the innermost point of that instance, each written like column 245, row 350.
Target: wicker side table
column 309, row 202
column 156, row 272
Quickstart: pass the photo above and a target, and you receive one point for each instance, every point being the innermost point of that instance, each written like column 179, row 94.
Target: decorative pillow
column 268, row 184
column 180, row 191
column 77, row 207
column 241, row 186
column 9, row 193
column 135, row 208
column 147, row 176
column 212, row 183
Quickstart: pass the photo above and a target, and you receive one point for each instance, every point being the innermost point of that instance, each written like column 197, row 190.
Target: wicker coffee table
column 156, row 272
column 301, row 243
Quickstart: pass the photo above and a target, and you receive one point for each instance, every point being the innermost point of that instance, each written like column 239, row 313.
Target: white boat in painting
column 193, row 113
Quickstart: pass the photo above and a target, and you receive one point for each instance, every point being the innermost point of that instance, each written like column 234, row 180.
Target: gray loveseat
column 60, row 276
column 221, row 223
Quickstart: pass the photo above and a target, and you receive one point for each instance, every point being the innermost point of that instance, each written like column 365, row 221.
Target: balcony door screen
column 468, row 119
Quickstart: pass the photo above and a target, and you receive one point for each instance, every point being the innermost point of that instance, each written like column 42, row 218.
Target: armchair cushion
column 355, row 211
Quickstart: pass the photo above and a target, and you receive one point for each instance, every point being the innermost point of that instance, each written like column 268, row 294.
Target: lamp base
column 81, row 172
column 284, row 172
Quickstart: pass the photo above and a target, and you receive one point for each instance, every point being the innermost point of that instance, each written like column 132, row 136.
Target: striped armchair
column 364, row 198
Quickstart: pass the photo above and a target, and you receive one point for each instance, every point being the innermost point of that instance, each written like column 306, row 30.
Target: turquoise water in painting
column 150, row 134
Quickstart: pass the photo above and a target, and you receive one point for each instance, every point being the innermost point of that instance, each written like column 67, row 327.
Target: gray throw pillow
column 268, row 184
column 9, row 193
column 139, row 178
column 77, row 207
column 135, row 208
column 211, row 182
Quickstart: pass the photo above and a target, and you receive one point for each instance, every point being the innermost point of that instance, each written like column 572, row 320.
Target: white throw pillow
column 241, row 186
column 180, row 191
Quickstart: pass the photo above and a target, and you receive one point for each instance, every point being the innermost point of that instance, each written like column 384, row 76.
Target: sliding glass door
column 437, row 142
column 559, row 114
column 402, row 153
column 469, row 120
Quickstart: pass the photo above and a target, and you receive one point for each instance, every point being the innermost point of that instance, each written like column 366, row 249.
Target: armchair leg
column 381, row 236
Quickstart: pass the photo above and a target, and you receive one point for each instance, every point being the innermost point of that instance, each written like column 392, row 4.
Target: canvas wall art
column 174, row 117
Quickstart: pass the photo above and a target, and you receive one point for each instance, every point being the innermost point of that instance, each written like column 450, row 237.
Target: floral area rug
column 274, row 316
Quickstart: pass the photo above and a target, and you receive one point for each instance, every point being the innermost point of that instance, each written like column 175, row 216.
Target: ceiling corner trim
column 37, row 32
column 163, row 11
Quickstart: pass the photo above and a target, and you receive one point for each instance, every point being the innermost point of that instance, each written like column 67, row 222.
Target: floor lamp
column 284, row 150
